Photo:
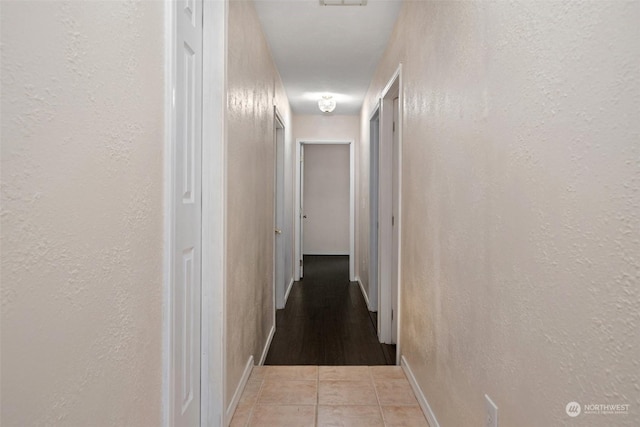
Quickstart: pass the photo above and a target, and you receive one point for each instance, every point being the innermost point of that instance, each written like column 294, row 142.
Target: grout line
column 253, row 407
column 375, row 389
column 262, row 385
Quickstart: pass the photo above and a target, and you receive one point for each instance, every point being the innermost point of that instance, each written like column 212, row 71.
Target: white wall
column 254, row 86
column 326, row 199
column 521, row 206
column 81, row 220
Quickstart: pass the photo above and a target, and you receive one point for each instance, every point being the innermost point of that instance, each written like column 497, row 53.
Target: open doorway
column 389, row 157
column 301, row 211
column 325, row 200
column 374, row 164
column 279, row 241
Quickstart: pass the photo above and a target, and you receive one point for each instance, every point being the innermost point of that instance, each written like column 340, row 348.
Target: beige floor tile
column 404, row 416
column 295, row 373
column 395, row 392
column 241, row 416
column 346, row 393
column 258, row 373
column 245, row 405
column 288, row 393
column 347, row 396
column 349, row 416
column 283, row 416
column 387, row 373
column 344, row 373
column 250, row 393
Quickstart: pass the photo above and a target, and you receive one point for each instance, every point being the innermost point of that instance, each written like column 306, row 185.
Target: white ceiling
column 326, row 49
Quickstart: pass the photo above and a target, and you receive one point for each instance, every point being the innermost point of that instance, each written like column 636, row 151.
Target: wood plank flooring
column 326, row 320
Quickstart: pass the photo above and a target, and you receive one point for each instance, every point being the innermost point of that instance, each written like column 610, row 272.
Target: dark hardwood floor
column 326, row 320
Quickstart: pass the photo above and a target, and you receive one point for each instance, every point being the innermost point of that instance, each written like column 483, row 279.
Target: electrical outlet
column 491, row 415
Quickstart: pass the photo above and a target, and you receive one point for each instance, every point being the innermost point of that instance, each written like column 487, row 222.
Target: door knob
column 278, row 231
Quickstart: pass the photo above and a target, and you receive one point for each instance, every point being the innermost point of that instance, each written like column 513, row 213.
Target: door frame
column 374, row 164
column 392, row 90
column 298, row 195
column 213, row 295
column 278, row 300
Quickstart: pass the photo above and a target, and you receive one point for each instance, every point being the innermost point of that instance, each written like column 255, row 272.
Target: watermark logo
column 606, row 409
column 573, row 409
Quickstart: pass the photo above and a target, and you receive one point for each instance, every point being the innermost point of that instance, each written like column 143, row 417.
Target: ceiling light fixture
column 327, row 104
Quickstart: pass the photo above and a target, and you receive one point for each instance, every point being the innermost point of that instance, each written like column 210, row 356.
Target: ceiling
column 326, row 49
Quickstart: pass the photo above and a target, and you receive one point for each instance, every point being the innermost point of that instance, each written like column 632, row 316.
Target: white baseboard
column 364, row 294
column 422, row 400
column 238, row 393
column 286, row 294
column 267, row 345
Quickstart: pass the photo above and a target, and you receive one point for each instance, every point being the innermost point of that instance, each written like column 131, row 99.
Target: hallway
column 152, row 209
column 326, row 320
column 279, row 396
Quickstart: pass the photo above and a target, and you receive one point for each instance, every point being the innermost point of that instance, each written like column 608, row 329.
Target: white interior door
column 394, row 223
column 186, row 281
column 280, row 284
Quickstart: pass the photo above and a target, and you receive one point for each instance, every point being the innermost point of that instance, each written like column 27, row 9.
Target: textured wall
column 82, row 139
column 253, row 86
column 521, row 206
column 330, row 127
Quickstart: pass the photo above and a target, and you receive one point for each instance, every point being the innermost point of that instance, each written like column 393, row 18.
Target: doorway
column 374, row 163
column 300, row 209
column 279, row 226
column 388, row 151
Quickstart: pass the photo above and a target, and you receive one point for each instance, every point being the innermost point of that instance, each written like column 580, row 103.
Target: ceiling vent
column 343, row 2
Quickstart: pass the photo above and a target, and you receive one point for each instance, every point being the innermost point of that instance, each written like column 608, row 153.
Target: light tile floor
column 366, row 396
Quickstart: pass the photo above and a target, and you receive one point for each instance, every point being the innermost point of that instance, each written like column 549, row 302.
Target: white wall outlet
column 491, row 412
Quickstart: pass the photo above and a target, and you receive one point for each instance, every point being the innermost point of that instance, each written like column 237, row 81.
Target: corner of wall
column 233, row 405
column 422, row 399
column 364, row 293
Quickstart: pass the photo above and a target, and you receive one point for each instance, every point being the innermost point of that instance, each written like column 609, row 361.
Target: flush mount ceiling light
column 327, row 104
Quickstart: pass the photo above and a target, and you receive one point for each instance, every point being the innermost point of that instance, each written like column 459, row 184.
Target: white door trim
column 214, row 201
column 213, row 212
column 352, row 203
column 278, row 288
column 169, row 129
column 374, row 163
column 392, row 89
